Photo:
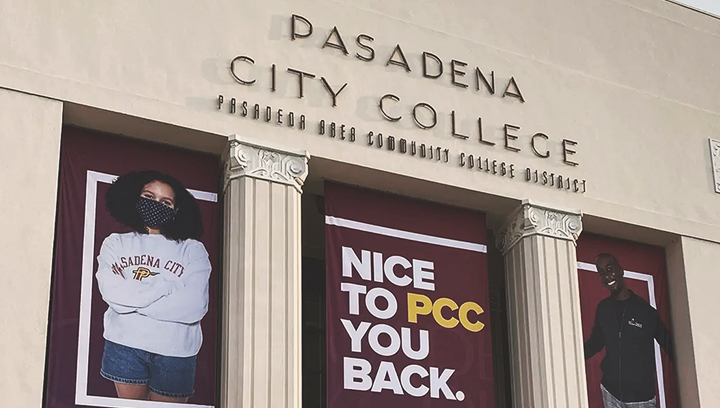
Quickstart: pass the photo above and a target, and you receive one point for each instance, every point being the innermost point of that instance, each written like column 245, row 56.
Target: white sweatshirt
column 156, row 290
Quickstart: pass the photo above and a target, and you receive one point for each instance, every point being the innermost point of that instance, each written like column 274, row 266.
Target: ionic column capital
column 533, row 219
column 250, row 159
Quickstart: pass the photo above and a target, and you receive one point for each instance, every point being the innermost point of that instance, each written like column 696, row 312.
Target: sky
column 710, row 6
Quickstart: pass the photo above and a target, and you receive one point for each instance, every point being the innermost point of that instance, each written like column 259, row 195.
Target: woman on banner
column 155, row 282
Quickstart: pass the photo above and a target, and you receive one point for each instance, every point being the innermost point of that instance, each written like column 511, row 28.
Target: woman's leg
column 132, row 391
column 158, row 397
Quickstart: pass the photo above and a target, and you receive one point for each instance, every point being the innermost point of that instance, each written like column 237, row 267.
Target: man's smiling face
column 611, row 274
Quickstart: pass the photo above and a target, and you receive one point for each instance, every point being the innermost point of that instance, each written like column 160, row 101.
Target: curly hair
column 125, row 190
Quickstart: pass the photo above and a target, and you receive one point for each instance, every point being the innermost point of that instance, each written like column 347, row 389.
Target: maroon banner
column 645, row 276
column 90, row 162
column 408, row 320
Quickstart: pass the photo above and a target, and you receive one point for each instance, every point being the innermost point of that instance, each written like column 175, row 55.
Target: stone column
column 545, row 328
column 261, row 320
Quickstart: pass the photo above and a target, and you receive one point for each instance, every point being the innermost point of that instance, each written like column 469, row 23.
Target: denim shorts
column 166, row 376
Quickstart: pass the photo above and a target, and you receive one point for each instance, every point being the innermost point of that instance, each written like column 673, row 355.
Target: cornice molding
column 533, row 219
column 248, row 159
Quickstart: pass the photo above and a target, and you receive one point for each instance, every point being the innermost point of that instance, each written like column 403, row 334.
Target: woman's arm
column 119, row 291
column 189, row 303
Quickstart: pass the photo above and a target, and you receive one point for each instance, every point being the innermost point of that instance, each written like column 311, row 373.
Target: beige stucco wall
column 633, row 82
column 30, row 135
column 693, row 312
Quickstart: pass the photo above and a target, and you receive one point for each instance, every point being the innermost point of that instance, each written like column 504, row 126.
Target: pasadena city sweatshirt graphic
column 156, row 290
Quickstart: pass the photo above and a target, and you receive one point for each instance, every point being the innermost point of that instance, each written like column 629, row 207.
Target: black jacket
column 629, row 363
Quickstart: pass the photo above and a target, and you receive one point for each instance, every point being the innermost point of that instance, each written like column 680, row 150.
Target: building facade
column 555, row 119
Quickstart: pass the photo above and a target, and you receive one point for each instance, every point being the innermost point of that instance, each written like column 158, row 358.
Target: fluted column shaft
column 545, row 326
column 261, row 306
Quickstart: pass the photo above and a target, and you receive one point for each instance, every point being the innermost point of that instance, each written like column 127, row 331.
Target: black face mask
column 154, row 213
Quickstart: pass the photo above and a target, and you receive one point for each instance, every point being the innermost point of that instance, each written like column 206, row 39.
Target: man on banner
column 626, row 326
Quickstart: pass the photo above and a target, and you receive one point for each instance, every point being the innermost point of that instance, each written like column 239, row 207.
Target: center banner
column 408, row 316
